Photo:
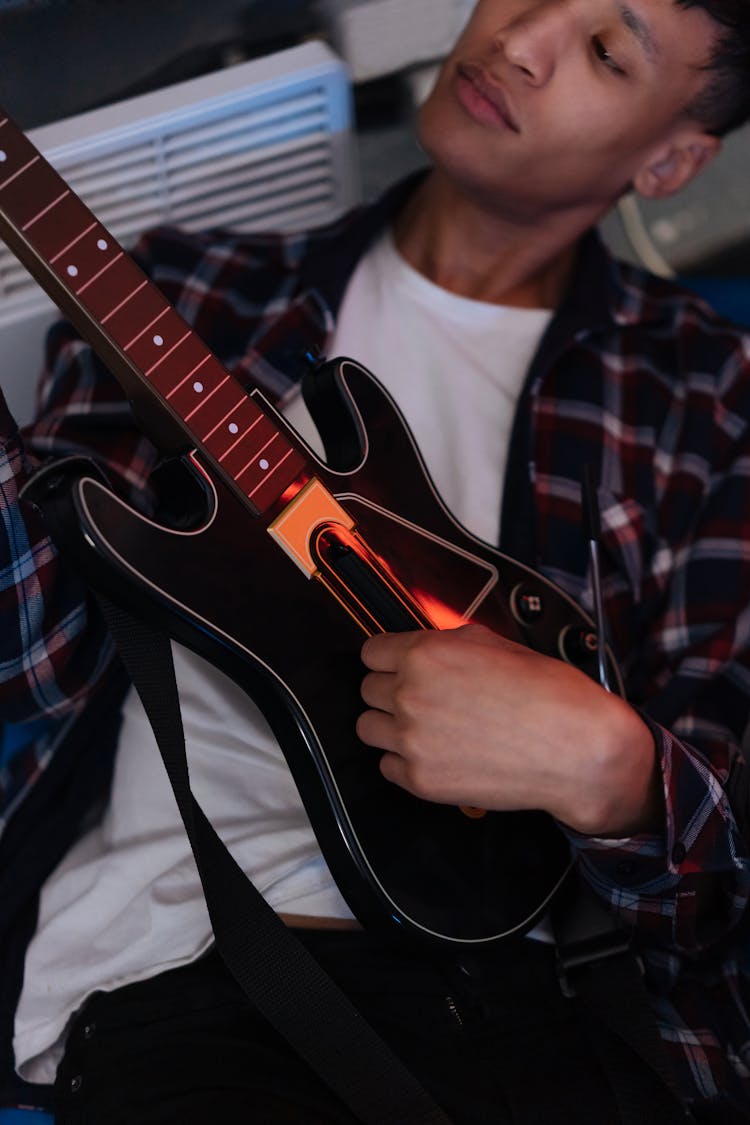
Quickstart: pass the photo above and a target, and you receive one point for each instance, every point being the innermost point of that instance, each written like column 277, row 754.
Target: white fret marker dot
column 3, row 155
column 233, row 428
column 102, row 244
column 72, row 271
column 263, row 464
column 158, row 340
column 197, row 387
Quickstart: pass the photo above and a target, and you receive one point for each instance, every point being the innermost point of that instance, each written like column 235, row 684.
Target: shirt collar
column 603, row 291
column 333, row 254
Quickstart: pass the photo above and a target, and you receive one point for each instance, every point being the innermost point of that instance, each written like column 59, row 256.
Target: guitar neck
column 164, row 367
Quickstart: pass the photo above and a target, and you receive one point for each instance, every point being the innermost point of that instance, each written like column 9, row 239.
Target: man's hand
column 467, row 717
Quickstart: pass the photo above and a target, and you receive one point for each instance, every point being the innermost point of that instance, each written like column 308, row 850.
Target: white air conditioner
column 266, row 144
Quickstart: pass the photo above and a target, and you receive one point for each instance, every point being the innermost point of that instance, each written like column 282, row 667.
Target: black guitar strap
column 281, row 979
column 597, row 965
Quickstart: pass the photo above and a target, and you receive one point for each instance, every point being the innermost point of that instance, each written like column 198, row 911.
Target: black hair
column 724, row 103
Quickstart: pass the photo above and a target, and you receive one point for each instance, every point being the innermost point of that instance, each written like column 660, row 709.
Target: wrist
column 625, row 794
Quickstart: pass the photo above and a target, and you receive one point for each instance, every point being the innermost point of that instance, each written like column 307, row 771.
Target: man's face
column 558, row 103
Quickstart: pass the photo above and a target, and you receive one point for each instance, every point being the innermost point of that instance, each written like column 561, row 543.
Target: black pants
column 492, row 1038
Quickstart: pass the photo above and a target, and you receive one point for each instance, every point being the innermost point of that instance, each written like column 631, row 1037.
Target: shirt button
column 625, row 867
column 76, row 1083
column 679, row 851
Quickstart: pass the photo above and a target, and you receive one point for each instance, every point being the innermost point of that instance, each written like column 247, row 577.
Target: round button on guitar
column 577, row 644
column 526, row 605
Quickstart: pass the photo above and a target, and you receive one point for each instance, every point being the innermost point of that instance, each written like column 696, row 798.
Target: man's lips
column 483, row 97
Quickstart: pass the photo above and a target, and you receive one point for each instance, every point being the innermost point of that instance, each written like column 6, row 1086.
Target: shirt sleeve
column 687, row 887
column 53, row 646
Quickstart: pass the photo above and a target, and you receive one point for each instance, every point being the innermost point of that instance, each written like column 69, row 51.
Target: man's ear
column 675, row 164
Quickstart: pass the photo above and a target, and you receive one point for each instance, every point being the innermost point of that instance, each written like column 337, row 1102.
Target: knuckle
column 406, row 696
column 417, row 782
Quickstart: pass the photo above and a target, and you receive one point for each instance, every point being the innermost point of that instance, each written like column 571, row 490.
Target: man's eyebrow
column 639, row 29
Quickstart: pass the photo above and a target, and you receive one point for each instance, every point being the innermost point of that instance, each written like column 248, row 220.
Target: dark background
column 59, row 57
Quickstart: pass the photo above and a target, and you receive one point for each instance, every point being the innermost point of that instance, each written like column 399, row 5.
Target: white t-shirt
column 126, row 902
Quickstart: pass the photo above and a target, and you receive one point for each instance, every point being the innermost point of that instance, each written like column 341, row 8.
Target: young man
column 519, row 354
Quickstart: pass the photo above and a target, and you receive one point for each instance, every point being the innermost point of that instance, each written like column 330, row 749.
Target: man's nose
column 534, row 39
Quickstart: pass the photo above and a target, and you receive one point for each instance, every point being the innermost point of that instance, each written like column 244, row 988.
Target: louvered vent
column 262, row 145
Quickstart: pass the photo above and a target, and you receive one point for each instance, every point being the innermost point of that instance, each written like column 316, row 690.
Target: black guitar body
column 226, row 589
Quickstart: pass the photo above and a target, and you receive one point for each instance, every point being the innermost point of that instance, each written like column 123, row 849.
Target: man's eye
column 604, row 56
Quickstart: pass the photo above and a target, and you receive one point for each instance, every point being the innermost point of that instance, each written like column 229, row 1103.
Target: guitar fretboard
column 60, row 240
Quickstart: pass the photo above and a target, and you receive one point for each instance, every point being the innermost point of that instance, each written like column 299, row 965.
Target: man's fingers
column 377, row 690
column 383, row 652
column 393, row 768
column 377, row 729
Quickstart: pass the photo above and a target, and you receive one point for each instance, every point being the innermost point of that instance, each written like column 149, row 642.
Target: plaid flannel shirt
column 633, row 377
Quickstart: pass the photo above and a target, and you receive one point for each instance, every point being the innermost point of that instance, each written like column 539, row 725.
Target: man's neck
column 480, row 254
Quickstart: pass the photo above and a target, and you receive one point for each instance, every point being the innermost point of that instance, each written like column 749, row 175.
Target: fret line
column 44, row 211
column 143, row 331
column 124, row 301
column 203, row 401
column 242, row 436
column 99, row 274
column 20, row 172
column 70, row 244
column 220, row 423
column 275, row 469
column 166, row 354
column 258, row 453
column 188, row 376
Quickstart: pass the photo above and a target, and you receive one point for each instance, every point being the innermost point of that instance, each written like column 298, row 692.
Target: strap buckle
column 587, row 933
column 575, row 958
